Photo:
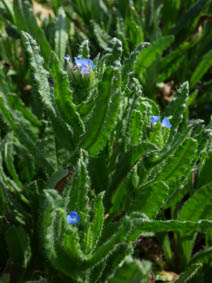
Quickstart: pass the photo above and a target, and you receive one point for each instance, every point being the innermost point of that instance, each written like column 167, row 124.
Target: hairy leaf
column 25, row 20
column 61, row 35
column 63, row 98
column 192, row 210
column 105, row 113
column 41, row 78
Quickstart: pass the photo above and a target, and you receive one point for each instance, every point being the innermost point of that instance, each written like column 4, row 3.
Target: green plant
column 89, row 137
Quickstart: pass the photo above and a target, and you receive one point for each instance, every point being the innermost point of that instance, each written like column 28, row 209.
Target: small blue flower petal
column 154, row 119
column 83, row 65
column 166, row 123
column 90, row 62
column 79, row 62
column 67, row 58
column 73, row 217
column 85, row 69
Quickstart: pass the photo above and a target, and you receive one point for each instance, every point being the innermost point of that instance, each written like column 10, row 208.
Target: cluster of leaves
column 180, row 30
column 85, row 142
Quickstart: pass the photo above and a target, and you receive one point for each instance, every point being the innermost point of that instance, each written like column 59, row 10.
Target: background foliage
column 85, row 142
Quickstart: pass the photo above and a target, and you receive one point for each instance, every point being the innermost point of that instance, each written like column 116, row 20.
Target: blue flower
column 166, row 123
column 73, row 217
column 154, row 119
column 67, row 58
column 84, row 64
